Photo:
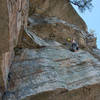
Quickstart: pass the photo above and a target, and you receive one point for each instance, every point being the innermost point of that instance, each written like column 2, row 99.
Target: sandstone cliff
column 35, row 63
column 59, row 8
column 13, row 15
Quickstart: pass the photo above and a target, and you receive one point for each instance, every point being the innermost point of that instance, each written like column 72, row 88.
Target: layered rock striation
column 57, row 8
column 35, row 59
column 54, row 72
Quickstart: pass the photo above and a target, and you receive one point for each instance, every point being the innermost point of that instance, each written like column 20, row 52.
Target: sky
column 92, row 19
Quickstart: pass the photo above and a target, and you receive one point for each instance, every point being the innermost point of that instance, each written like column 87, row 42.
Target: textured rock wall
column 36, row 72
column 52, row 66
column 85, row 93
column 56, row 29
column 13, row 15
column 4, row 35
column 59, row 8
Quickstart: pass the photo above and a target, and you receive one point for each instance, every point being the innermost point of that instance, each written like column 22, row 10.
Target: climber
column 74, row 46
column 67, row 41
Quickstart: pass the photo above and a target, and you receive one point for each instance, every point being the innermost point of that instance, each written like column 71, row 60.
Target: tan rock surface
column 13, row 14
column 61, row 9
column 42, row 68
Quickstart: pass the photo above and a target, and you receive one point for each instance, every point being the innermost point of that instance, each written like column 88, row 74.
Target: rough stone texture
column 59, row 30
column 13, row 15
column 58, row 8
column 3, row 35
column 85, row 93
column 43, row 68
column 91, row 41
column 4, row 19
column 39, row 41
column 55, row 69
column 96, row 52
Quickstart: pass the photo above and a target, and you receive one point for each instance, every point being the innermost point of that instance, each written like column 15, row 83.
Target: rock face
column 13, row 15
column 91, row 40
column 57, row 29
column 58, row 20
column 35, row 64
column 54, row 71
column 58, row 8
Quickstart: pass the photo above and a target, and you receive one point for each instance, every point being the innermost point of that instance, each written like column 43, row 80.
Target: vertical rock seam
column 13, row 16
